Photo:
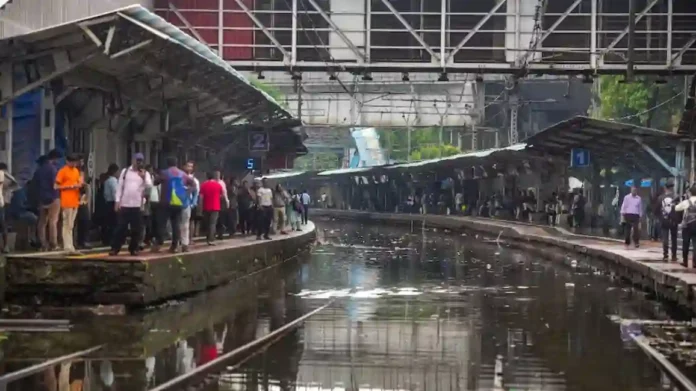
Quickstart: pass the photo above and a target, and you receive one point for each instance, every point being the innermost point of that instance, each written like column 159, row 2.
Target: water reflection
column 416, row 311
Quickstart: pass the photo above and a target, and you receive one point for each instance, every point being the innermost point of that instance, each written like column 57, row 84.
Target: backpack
column 178, row 193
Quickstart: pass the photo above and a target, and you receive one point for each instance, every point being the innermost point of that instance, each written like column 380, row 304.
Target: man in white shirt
column 133, row 182
column 305, row 199
column 264, row 197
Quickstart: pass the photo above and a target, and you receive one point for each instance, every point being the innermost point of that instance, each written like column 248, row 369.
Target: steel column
column 443, row 33
column 594, row 57
column 221, row 26
column 514, row 108
column 368, row 29
column 670, row 12
column 293, row 39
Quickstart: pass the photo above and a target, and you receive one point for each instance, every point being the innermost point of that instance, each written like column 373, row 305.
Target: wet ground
column 419, row 310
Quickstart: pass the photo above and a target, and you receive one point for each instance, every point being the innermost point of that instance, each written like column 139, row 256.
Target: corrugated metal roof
column 281, row 175
column 477, row 154
column 345, row 171
column 135, row 23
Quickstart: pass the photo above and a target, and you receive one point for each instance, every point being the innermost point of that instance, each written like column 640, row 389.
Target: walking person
column 244, row 201
column 109, row 194
column 189, row 214
column 68, row 183
column 305, row 199
column 153, row 237
column 669, row 221
column 280, row 202
column 174, row 198
column 49, row 201
column 211, row 196
column 133, row 183
column 264, row 197
column 631, row 211
column 688, row 208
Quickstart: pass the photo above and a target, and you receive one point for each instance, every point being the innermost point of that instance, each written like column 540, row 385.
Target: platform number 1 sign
column 258, row 141
column 579, row 157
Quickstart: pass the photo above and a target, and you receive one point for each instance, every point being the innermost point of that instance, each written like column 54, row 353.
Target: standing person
column 244, row 202
column 110, row 216
column 305, row 199
column 631, row 211
column 190, row 212
column 688, row 207
column 669, row 221
column 295, row 207
column 83, row 214
column 264, row 199
column 552, row 209
column 68, row 183
column 280, row 201
column 211, row 200
column 133, row 183
column 152, row 235
column 174, row 198
column 49, row 201
column 232, row 211
column 223, row 217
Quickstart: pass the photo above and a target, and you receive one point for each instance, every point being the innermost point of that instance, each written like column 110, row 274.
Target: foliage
column 318, row 161
column 434, row 152
column 642, row 102
column 424, row 142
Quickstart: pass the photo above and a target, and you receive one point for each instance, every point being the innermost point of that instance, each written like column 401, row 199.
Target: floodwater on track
column 413, row 310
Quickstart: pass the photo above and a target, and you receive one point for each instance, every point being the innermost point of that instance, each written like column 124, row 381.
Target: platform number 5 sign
column 258, row 141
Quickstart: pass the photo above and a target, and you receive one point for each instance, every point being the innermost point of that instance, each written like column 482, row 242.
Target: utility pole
column 631, row 39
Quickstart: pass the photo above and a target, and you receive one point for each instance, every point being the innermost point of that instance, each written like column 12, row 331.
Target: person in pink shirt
column 211, row 192
column 133, row 182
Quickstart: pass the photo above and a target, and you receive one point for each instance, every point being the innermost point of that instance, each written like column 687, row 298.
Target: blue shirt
column 46, row 176
column 110, row 187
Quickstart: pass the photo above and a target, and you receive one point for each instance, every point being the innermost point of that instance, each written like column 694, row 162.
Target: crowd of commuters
column 148, row 206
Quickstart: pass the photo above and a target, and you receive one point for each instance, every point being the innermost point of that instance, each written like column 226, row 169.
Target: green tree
column 434, row 152
column 642, row 102
column 395, row 143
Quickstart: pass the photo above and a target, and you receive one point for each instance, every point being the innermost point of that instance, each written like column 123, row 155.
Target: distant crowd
column 147, row 205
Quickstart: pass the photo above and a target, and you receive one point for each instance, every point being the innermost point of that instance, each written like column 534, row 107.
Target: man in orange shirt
column 68, row 183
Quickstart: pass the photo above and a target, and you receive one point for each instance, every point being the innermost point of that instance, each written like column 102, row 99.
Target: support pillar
column 6, row 115
column 514, row 107
column 679, row 184
column 48, row 121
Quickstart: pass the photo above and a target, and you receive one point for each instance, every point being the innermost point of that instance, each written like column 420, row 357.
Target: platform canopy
column 612, row 143
column 143, row 63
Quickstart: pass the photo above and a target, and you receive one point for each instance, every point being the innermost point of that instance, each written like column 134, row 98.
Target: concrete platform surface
column 97, row 278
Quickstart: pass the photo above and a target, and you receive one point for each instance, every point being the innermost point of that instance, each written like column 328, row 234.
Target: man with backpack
column 688, row 207
column 669, row 221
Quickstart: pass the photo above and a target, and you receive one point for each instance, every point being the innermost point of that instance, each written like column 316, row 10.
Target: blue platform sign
column 579, row 157
column 251, row 164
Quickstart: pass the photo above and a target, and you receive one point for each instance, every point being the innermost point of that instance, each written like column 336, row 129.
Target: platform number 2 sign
column 258, row 141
